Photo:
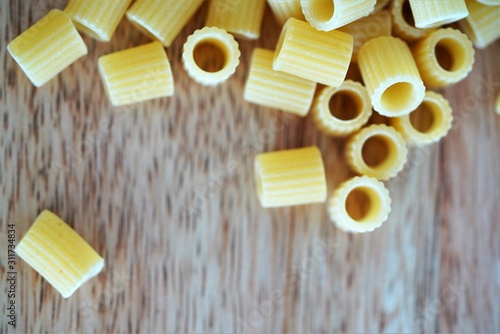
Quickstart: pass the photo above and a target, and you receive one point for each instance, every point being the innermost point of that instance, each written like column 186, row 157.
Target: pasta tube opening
column 398, row 96
column 327, row 15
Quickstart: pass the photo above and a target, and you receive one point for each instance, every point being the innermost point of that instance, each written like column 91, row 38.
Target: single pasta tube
column 362, row 30
column 59, row 254
column 482, row 23
column 47, row 47
column 359, row 205
column 137, row 74
column 210, row 56
column 319, row 56
column 403, row 23
column 162, row 19
column 285, row 9
column 427, row 124
column 290, row 177
column 380, row 4
column 327, row 15
column 96, row 18
column 343, row 110
column 274, row 89
column 432, row 14
column 444, row 57
column 390, row 76
column 242, row 18
column 378, row 151
column 490, row 2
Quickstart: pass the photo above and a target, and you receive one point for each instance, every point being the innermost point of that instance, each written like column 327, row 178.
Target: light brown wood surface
column 164, row 191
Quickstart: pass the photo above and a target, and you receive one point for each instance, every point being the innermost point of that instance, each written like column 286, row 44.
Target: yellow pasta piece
column 444, row 57
column 290, row 177
column 482, row 23
column 378, row 151
column 162, row 19
column 59, row 254
column 359, row 205
column 137, row 74
column 391, row 76
column 96, row 18
column 285, row 9
column 427, row 124
column 242, row 18
column 490, row 2
column 432, row 14
column 274, row 89
column 380, row 4
column 343, row 110
column 318, row 56
column 498, row 104
column 47, row 47
column 210, row 56
column 362, row 30
column 327, row 15
column 403, row 23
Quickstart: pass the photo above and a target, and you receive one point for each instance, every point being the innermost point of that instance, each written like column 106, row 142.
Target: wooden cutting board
column 164, row 191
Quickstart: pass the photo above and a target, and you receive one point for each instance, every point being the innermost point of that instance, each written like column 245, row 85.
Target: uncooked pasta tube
column 432, row 14
column 290, row 177
column 285, row 9
column 47, row 47
column 319, row 56
column 274, row 89
column 444, row 57
column 59, row 254
column 403, row 23
column 359, row 205
column 377, row 151
column 427, row 124
column 482, row 23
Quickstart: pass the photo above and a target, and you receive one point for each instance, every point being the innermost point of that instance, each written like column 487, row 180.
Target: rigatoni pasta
column 137, row 74
column 290, row 177
column 343, row 110
column 240, row 17
column 270, row 88
column 210, row 56
column 482, row 23
column 359, row 205
column 59, row 254
column 96, row 18
column 378, row 151
column 432, row 14
column 328, row 15
column 318, row 56
column 403, row 23
column 47, row 47
column 390, row 76
column 444, row 57
column 285, row 9
column 162, row 20
column 427, row 124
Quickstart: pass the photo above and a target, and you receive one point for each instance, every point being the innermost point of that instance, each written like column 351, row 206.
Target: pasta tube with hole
column 362, row 30
column 427, row 124
column 240, row 17
column 433, row 14
column 328, row 15
column 96, row 18
column 444, row 57
column 59, row 254
column 285, row 9
column 390, row 76
column 353, row 98
column 482, row 23
column 359, row 205
column 274, row 89
column 378, row 151
column 47, row 47
column 318, row 56
column 403, row 23
column 137, row 74
column 162, row 20
column 222, row 41
column 290, row 177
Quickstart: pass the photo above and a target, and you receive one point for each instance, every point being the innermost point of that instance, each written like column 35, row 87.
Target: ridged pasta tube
column 482, row 23
column 433, row 14
column 285, row 9
column 59, row 254
column 403, row 23
column 290, row 177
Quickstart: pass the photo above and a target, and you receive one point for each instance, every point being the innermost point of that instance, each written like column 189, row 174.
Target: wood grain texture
column 164, row 191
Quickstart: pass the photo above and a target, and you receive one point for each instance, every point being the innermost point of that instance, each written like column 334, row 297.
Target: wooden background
column 164, row 191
